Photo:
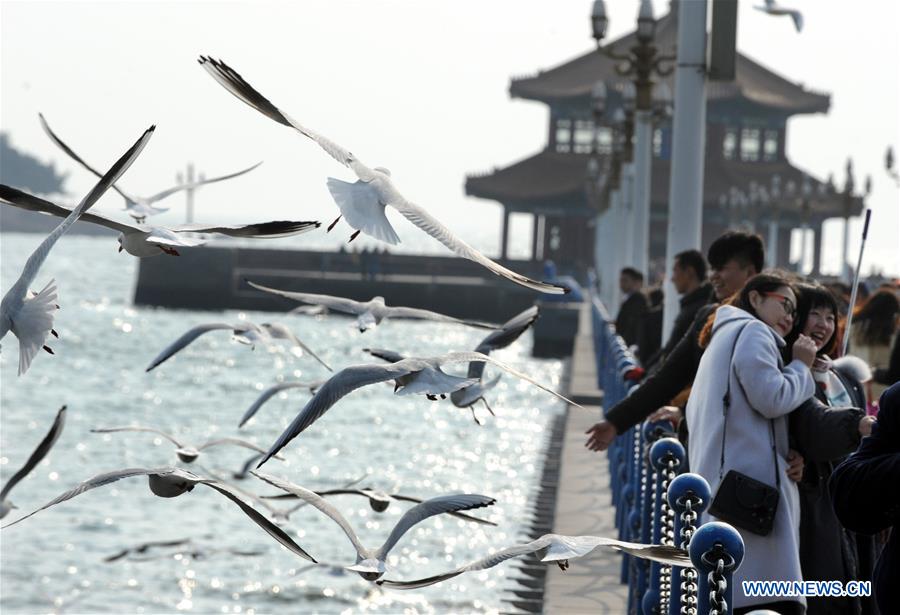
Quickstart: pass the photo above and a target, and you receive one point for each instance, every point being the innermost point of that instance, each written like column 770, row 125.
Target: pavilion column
column 817, row 248
column 534, row 236
column 504, row 237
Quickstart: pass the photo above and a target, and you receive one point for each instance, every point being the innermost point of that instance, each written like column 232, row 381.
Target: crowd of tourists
column 799, row 442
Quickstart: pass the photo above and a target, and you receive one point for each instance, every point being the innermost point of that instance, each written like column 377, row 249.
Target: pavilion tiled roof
column 753, row 82
column 552, row 180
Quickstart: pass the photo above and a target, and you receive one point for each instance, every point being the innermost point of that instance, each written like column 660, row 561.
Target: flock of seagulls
column 29, row 315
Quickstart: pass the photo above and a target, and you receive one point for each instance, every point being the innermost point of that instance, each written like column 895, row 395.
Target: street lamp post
column 848, row 199
column 642, row 62
column 774, row 212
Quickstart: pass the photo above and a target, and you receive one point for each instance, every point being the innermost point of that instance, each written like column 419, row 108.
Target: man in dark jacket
column 628, row 321
column 734, row 258
column 865, row 491
column 689, row 280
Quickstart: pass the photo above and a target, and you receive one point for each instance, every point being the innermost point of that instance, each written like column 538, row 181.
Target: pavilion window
column 750, row 144
column 564, row 135
column 604, row 140
column 770, row 146
column 729, row 144
column 584, row 136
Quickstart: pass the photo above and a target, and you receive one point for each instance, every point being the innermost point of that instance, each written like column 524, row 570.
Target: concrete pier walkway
column 583, row 499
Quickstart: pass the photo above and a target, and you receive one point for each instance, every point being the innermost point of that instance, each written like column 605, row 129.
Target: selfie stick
column 862, row 246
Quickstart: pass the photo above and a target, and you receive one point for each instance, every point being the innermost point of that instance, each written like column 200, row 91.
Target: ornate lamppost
column 641, row 63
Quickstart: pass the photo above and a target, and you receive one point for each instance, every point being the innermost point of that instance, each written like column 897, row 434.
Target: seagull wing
column 39, row 453
column 509, row 332
column 487, row 562
column 797, row 16
column 92, row 483
column 202, row 182
column 23, row 200
column 268, row 394
column 280, row 331
column 408, row 498
column 568, row 547
column 419, row 314
column 68, row 150
column 186, row 339
column 319, row 502
column 431, row 225
column 270, row 528
column 457, row 357
column 165, row 435
column 386, row 355
column 345, row 381
column 260, row 230
column 234, row 83
column 338, row 304
column 430, row 508
column 115, row 172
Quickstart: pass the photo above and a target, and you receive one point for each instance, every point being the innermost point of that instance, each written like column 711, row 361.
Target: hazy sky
column 417, row 86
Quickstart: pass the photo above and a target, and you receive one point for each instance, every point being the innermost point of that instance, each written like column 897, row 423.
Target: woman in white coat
column 745, row 345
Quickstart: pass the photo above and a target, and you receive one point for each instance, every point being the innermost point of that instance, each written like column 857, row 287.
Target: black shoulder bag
column 742, row 501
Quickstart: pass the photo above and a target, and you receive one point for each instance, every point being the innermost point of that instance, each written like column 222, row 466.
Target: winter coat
column 628, row 320
column 824, row 435
column 865, row 491
column 763, row 391
column 689, row 304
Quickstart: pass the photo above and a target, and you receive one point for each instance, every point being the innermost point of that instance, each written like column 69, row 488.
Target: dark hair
column 745, row 248
column 875, row 320
column 692, row 259
column 655, row 296
column 632, row 273
column 761, row 283
column 810, row 296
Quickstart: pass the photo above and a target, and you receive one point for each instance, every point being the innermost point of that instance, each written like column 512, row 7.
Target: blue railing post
column 666, row 457
column 688, row 495
column 717, row 550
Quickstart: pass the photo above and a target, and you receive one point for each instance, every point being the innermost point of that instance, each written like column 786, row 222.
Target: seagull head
column 370, row 569
column 169, row 485
column 119, row 239
column 187, row 454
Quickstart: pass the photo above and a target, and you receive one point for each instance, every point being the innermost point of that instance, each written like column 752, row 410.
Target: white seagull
column 39, row 453
column 466, row 397
column 185, row 452
column 556, row 548
column 776, row 9
column 244, row 332
column 370, row 563
column 363, row 203
column 378, row 500
column 146, row 240
column 413, row 375
column 274, row 390
column 169, row 482
column 30, row 318
column 139, row 207
column 369, row 313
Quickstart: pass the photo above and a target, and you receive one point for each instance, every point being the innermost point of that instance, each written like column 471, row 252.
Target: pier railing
column 657, row 502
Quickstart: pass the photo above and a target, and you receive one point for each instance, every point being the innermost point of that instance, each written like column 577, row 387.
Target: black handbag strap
column 726, row 404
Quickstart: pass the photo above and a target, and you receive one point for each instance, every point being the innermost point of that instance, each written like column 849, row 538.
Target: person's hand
column 804, row 350
column 865, row 425
column 672, row 414
column 795, row 465
column 601, row 436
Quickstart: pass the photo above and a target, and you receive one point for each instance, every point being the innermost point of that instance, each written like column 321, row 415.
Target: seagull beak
column 120, row 247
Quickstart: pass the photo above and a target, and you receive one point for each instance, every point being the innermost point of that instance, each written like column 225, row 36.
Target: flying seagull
column 243, row 332
column 144, row 547
column 370, row 563
column 378, row 500
column 139, row 207
column 274, row 390
column 414, row 375
column 369, row 313
column 363, row 203
column 39, row 453
column 169, row 482
column 146, row 240
column 776, row 9
column 559, row 549
column 30, row 318
column 466, row 397
column 186, row 453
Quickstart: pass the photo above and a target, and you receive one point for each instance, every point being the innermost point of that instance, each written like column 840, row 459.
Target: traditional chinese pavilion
column 745, row 148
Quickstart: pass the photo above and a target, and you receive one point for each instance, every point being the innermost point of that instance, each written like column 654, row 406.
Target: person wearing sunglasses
column 743, row 362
